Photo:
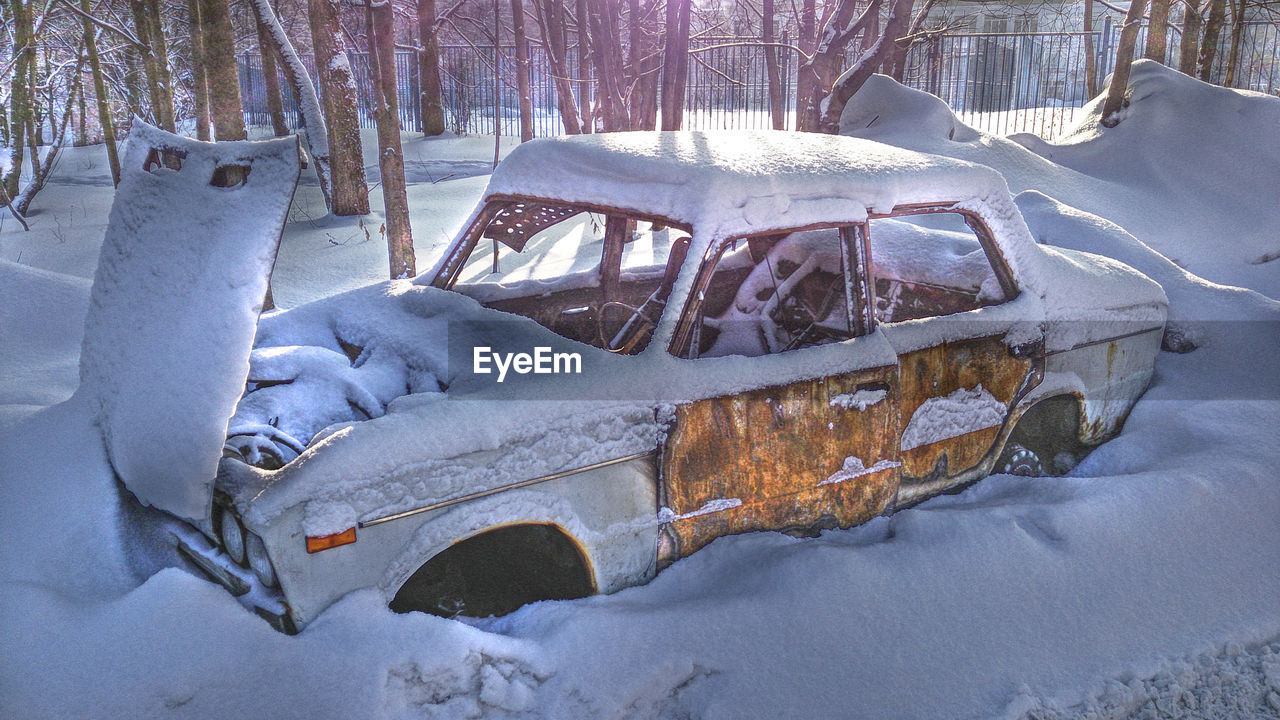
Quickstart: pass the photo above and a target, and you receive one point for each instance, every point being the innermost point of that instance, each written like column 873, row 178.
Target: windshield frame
column 458, row 253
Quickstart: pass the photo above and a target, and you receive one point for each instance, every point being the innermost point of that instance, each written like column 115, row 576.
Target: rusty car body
column 773, row 337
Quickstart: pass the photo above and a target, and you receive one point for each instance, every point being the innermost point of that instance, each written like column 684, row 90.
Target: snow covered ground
column 1146, row 584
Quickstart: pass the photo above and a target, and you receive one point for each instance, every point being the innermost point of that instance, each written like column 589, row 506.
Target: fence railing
column 998, row 82
column 1035, row 82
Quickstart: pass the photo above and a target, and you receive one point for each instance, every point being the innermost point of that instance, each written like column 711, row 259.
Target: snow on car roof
column 734, row 182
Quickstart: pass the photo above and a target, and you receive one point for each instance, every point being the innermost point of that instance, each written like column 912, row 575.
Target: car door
column 796, row 455
column 966, row 344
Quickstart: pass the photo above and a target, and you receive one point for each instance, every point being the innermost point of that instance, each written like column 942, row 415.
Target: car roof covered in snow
column 732, row 182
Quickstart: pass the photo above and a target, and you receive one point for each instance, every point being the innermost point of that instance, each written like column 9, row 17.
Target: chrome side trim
column 1091, row 343
column 504, row 488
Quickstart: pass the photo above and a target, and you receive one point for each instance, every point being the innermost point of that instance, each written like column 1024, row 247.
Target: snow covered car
column 640, row 342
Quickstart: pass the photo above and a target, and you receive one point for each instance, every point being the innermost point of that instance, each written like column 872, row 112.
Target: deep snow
column 1143, row 585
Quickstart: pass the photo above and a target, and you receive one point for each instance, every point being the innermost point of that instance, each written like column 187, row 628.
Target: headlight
column 259, row 561
column 232, row 535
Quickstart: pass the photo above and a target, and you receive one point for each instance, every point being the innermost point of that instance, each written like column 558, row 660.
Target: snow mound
column 175, row 301
column 1169, row 173
column 884, row 108
column 46, row 310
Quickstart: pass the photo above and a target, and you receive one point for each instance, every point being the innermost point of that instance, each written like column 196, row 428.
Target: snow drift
column 1170, row 173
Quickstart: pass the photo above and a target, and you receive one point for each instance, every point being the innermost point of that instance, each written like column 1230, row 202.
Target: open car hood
column 184, row 268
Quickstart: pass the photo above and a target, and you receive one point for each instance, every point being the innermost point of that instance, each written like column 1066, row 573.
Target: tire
column 1020, row 460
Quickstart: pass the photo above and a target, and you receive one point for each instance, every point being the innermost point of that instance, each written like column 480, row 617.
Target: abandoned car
column 640, row 342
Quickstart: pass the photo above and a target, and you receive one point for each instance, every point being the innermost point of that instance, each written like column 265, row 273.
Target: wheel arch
column 1054, row 421
column 439, row 534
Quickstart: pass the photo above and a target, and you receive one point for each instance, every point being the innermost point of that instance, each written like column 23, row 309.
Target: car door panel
column 954, row 399
column 790, row 457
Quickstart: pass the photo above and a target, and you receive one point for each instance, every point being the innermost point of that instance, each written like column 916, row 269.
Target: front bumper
column 267, row 603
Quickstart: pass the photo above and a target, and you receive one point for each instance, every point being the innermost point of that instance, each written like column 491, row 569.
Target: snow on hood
column 734, row 182
column 1169, row 173
column 174, row 305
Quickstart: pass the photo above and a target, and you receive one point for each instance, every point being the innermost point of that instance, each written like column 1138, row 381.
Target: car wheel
column 1020, row 460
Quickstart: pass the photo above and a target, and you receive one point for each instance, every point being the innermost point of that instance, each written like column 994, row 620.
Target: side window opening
column 773, row 293
column 929, row 265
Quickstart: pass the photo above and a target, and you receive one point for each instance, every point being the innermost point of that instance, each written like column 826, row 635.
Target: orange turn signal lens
column 324, row 542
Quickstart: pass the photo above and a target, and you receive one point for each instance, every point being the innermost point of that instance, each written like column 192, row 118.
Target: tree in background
column 99, row 91
column 1209, row 43
column 382, row 39
column 199, row 78
column 431, row 106
column 522, row 70
column 349, row 190
column 675, row 63
column 149, row 29
column 553, row 23
column 1118, row 87
column 270, row 74
column 217, row 40
column 1157, row 31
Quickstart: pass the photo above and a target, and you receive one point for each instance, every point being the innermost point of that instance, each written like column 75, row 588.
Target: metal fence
column 1035, row 82
column 998, row 82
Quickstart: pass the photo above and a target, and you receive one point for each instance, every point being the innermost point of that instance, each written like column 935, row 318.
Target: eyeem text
column 541, row 362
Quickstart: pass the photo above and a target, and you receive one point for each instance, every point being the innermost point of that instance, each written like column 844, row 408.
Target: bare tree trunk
column 898, row 31
column 772, row 69
column 1209, row 44
column 40, row 171
column 807, row 84
column 220, row 67
column 1237, row 39
column 1189, row 49
column 1158, row 31
column 552, row 22
column 872, row 33
column 644, row 66
column 200, row 79
column 160, row 59
column 317, row 130
column 430, row 102
column 270, row 76
column 603, row 18
column 522, row 71
column 133, row 80
column 885, row 50
column 1090, row 62
column 675, row 63
column 82, row 137
column 382, row 36
column 346, row 161
column 1124, row 58
column 142, row 29
column 19, row 97
column 100, row 91
column 823, row 66
column 496, row 42
column 584, row 67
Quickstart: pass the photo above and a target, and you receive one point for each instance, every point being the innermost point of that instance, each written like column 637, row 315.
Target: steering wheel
column 797, row 317
column 624, row 340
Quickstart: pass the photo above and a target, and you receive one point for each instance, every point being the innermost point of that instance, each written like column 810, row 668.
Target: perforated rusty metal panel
column 518, row 221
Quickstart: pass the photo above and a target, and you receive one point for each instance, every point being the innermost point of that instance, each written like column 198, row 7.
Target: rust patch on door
column 779, row 459
column 939, row 371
